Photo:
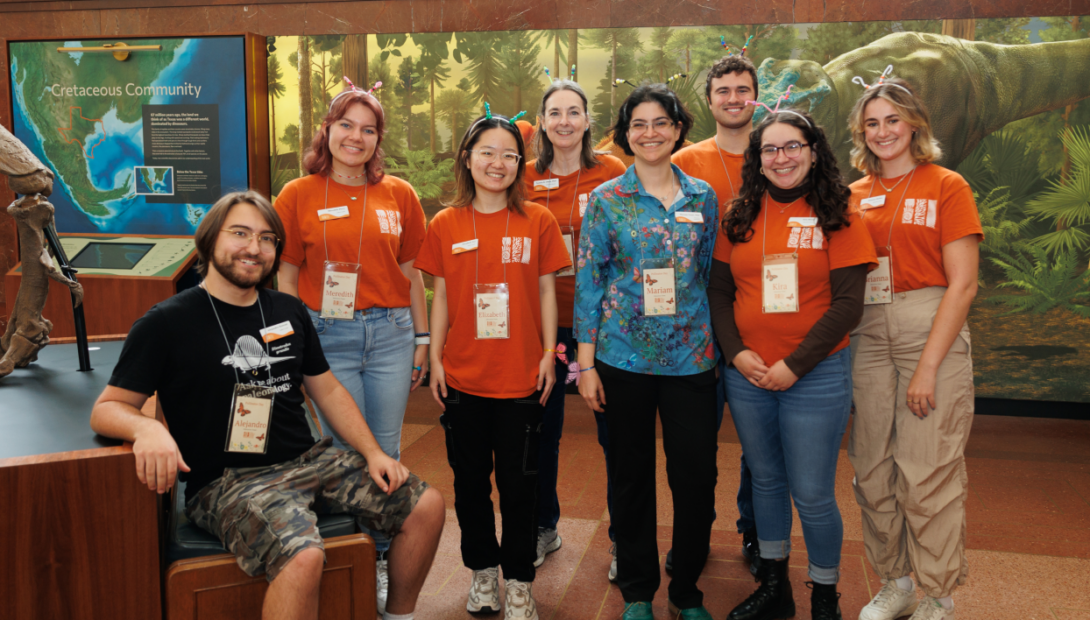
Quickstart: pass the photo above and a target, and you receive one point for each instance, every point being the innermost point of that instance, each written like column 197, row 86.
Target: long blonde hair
column 924, row 147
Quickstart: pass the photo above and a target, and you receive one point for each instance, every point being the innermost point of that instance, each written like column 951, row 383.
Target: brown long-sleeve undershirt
column 848, row 285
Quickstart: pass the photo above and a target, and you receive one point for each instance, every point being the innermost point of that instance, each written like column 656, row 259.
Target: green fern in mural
column 1066, row 203
column 1001, row 235
column 1047, row 283
column 426, row 175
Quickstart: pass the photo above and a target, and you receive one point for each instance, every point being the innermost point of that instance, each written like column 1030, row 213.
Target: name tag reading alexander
column 465, row 246
column 251, row 409
column 689, row 217
column 802, row 222
column 332, row 213
column 278, row 331
column 546, row 184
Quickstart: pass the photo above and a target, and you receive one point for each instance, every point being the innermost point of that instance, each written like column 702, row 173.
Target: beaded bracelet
column 586, row 369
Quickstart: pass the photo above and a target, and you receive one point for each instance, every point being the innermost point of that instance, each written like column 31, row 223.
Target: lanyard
column 725, row 173
column 363, row 218
column 764, row 225
column 230, row 352
column 574, row 197
column 477, row 254
column 893, row 219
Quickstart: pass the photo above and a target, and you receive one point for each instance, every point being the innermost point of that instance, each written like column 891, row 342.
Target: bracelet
column 423, row 340
column 423, row 334
column 550, row 350
column 586, row 369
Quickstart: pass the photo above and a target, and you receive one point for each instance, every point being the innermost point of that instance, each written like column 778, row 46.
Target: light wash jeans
column 372, row 357
column 791, row 441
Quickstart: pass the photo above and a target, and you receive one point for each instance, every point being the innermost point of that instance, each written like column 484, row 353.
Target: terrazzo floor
column 1028, row 526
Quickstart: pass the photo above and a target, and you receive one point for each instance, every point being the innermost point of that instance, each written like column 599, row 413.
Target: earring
column 762, row 169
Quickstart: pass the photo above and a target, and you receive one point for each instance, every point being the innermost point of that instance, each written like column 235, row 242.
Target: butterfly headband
column 352, row 88
column 881, row 81
column 780, row 100
column 723, row 42
column 572, row 75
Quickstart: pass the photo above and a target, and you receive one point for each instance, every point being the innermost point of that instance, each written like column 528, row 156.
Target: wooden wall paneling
column 76, row 527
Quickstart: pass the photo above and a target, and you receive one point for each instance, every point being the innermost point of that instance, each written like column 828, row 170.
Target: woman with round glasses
column 787, row 285
column 561, row 178
column 913, row 370
column 494, row 257
column 352, row 236
column 646, row 347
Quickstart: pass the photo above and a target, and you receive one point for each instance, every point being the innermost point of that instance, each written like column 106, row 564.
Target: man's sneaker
column 484, row 592
column 693, row 613
column 519, row 601
column 890, row 602
column 382, row 581
column 640, row 610
column 930, row 609
column 547, row 542
column 613, row 562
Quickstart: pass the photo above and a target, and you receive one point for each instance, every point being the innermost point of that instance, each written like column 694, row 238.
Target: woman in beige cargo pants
column 912, row 371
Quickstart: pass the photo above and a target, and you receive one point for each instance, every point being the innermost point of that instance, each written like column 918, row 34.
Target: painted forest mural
column 1008, row 99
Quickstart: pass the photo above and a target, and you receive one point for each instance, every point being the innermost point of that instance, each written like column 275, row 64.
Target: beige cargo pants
column 910, row 476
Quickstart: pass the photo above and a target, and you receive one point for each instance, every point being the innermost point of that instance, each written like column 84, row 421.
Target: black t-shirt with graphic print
column 178, row 350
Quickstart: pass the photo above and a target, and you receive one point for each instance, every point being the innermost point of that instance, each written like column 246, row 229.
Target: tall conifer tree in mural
column 327, row 72
column 557, row 40
column 433, row 70
column 521, row 66
column 657, row 64
column 454, row 106
column 615, row 41
column 306, row 111
column 683, row 41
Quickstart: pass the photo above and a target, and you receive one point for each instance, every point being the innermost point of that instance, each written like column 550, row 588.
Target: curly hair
column 924, row 146
column 319, row 160
column 828, row 194
column 651, row 93
column 465, row 189
column 730, row 64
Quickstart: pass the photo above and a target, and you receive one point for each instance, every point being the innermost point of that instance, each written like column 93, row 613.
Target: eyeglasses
column 660, row 125
column 791, row 149
column 241, row 237
column 489, row 155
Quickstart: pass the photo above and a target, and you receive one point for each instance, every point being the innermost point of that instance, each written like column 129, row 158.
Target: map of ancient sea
column 140, row 146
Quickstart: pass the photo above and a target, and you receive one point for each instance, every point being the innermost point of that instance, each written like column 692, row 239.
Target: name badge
column 251, row 409
column 339, row 290
column 780, row 283
column 872, row 202
column 689, row 217
column 278, row 331
column 802, row 222
column 880, row 283
column 332, row 213
column 583, row 200
column 659, row 298
column 567, row 233
column 491, row 307
column 465, row 246
column 546, row 184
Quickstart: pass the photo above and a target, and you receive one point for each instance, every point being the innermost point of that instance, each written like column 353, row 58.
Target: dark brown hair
column 544, row 147
column 828, row 194
column 209, row 229
column 464, row 188
column 651, row 93
column 730, row 64
column 318, row 158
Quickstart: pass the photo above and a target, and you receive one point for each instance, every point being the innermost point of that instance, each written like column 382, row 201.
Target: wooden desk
column 78, row 532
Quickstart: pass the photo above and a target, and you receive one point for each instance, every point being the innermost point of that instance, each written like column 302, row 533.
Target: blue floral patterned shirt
column 621, row 220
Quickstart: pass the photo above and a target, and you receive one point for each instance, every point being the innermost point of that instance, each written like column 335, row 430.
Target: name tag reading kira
column 780, row 283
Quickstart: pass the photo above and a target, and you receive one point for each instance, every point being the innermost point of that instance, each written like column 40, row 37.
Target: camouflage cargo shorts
column 267, row 515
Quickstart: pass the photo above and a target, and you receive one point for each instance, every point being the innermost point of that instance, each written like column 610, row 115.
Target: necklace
column 669, row 193
column 350, row 196
column 788, row 205
column 890, row 189
column 358, row 176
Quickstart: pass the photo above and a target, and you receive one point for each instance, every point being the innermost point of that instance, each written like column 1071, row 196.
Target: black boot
column 751, row 550
column 824, row 601
column 773, row 598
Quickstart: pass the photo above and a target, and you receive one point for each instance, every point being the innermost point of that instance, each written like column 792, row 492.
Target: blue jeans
column 552, row 427
column 372, row 357
column 791, row 441
column 745, row 520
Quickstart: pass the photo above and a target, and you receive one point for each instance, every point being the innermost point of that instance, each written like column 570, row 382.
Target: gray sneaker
column 382, row 582
column 613, row 562
column 519, row 601
column 484, row 592
column 547, row 542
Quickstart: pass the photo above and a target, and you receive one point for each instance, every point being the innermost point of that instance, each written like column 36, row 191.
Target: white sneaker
column 484, row 592
column 382, row 582
column 890, row 602
column 930, row 609
column 519, row 601
column 547, row 542
column 613, row 562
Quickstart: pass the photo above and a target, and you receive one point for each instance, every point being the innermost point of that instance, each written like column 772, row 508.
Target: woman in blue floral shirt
column 646, row 344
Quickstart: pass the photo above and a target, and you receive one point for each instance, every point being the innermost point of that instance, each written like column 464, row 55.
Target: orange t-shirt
column 531, row 248
column 775, row 336
column 937, row 207
column 701, row 160
column 569, row 210
column 392, row 235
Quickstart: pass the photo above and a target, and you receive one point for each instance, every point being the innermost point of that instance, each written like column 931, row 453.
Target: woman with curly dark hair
column 787, row 283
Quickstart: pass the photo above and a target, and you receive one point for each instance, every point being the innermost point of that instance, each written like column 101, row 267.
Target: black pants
column 686, row 406
column 476, row 429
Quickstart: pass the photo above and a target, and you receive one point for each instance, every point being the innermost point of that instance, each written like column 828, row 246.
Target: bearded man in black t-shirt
column 228, row 360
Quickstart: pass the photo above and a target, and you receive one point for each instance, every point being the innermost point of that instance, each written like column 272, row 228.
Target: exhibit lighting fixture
column 119, row 50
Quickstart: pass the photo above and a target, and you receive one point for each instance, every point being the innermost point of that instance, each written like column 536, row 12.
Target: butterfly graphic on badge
column 770, row 275
column 651, row 281
column 242, row 410
column 330, row 282
column 481, row 304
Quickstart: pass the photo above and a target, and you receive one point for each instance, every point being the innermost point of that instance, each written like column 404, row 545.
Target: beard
column 733, row 123
column 225, row 265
